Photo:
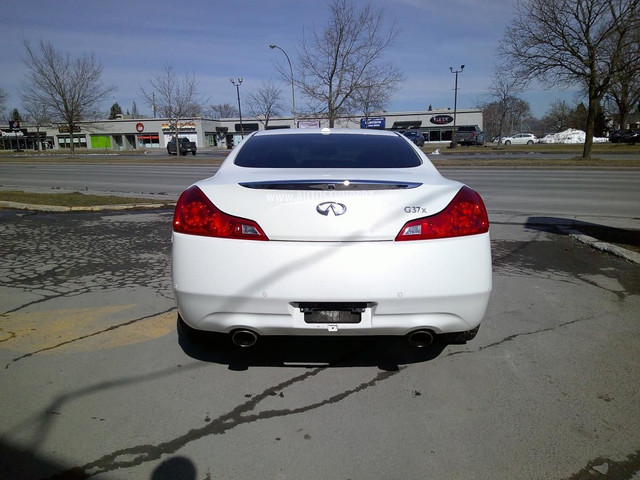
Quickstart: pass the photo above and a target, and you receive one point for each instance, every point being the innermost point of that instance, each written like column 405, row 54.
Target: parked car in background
column 633, row 136
column 625, row 136
column 415, row 136
column 615, row 135
column 186, row 146
column 520, row 139
column 330, row 232
column 469, row 135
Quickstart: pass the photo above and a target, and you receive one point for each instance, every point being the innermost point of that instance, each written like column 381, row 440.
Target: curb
column 567, row 225
column 605, row 247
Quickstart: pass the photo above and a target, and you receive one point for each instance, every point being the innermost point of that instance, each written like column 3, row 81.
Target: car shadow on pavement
column 625, row 238
column 386, row 353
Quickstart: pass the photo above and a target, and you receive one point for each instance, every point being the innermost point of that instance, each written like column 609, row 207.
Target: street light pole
column 455, row 105
column 293, row 92
column 237, row 85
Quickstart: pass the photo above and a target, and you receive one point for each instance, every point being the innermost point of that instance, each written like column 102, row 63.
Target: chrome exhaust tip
column 421, row 338
column 244, row 338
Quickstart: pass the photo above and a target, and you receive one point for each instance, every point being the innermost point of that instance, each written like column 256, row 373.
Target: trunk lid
column 343, row 206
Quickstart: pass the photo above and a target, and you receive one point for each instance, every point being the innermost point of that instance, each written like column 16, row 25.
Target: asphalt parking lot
column 99, row 383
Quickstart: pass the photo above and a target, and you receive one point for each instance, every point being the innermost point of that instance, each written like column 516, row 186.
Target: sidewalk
column 572, row 226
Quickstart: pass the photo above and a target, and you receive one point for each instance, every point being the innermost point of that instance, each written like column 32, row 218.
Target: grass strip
column 74, row 199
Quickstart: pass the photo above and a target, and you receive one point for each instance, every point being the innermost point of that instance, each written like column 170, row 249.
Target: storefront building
column 150, row 133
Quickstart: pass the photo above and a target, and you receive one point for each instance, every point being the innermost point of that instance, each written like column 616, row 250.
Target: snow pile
column 570, row 136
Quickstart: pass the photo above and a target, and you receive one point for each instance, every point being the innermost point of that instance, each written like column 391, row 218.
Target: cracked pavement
column 99, row 383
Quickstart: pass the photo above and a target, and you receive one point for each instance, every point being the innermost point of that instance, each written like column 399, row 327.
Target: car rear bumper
column 222, row 285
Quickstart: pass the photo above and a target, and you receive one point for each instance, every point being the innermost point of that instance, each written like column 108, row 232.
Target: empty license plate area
column 332, row 313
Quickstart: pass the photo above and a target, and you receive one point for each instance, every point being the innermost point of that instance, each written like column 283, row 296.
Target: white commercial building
column 146, row 133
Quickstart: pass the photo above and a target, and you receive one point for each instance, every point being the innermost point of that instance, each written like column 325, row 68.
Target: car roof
column 324, row 131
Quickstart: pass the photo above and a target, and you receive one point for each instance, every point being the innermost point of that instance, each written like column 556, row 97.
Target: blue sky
column 216, row 40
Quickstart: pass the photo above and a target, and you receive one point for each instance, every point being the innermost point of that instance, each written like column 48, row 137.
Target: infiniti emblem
column 326, row 208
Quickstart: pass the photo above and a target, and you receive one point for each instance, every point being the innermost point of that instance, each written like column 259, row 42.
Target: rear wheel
column 530, row 142
column 507, row 142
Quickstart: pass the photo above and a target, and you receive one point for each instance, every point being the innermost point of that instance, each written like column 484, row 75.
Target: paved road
column 607, row 193
column 98, row 383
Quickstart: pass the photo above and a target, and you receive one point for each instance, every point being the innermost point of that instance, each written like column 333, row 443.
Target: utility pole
column 293, row 92
column 237, row 85
column 454, row 144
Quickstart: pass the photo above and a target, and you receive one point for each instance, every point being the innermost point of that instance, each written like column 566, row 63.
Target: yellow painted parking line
column 81, row 329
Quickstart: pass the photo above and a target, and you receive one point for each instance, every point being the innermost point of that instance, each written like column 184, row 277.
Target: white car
column 520, row 139
column 330, row 232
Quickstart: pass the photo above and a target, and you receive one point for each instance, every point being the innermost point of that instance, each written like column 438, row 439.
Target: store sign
column 373, row 122
column 65, row 129
column 13, row 133
column 14, row 125
column 441, row 119
column 140, row 127
column 309, row 124
column 182, row 127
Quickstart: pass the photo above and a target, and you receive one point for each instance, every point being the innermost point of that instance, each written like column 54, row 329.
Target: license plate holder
column 332, row 313
column 332, row 316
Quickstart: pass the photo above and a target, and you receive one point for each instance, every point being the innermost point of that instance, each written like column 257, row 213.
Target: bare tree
column 346, row 57
column 37, row 114
column 626, row 98
column 370, row 99
column 561, row 42
column 624, row 92
column 559, row 115
column 173, row 98
column 265, row 102
column 504, row 107
column 71, row 90
column 507, row 116
column 623, row 98
column 224, row 110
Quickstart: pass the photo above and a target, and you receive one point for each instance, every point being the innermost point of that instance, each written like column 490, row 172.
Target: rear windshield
column 327, row 151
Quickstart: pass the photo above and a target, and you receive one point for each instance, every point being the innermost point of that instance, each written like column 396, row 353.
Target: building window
column 149, row 140
column 210, row 139
column 101, row 142
column 78, row 141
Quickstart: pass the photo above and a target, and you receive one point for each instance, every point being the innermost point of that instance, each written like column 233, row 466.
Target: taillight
column 196, row 215
column 465, row 215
